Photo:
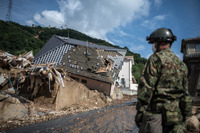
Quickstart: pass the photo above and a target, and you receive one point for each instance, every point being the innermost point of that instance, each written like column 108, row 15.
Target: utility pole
column 67, row 30
column 8, row 15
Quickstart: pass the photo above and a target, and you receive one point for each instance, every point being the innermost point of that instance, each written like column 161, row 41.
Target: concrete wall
column 61, row 97
column 71, row 94
column 94, row 84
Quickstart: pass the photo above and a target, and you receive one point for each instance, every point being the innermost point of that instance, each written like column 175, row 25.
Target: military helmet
column 161, row 34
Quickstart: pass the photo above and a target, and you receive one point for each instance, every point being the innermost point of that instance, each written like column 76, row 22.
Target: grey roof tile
column 195, row 56
column 82, row 58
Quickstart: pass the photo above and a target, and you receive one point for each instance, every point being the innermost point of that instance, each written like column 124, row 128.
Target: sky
column 124, row 23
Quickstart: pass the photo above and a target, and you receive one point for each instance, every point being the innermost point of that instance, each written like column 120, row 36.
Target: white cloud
column 30, row 22
column 71, row 5
column 122, row 33
column 154, row 23
column 158, row 2
column 94, row 17
column 147, row 57
column 52, row 18
column 159, row 17
column 137, row 48
column 131, row 46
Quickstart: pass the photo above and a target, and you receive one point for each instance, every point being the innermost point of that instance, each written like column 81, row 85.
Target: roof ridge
column 193, row 38
column 89, row 44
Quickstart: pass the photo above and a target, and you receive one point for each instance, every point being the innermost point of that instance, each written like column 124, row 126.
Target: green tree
column 17, row 39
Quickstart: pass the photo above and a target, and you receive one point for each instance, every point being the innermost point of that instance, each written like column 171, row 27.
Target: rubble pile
column 193, row 122
column 8, row 61
column 35, row 93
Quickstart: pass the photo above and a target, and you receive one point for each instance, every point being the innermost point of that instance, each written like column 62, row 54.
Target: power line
column 8, row 15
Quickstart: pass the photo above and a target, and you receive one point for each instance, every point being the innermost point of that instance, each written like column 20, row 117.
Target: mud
column 118, row 117
column 37, row 113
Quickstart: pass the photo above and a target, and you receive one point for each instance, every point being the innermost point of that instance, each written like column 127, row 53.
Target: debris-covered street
column 31, row 94
column 118, row 117
column 47, row 98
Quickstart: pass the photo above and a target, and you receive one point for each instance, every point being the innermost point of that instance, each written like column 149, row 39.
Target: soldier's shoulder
column 166, row 52
column 184, row 66
column 154, row 57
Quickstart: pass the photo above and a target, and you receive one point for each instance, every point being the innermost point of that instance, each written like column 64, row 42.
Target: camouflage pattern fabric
column 178, row 128
column 163, row 88
column 152, row 123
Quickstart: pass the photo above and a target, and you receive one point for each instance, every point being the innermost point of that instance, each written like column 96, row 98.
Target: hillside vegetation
column 18, row 39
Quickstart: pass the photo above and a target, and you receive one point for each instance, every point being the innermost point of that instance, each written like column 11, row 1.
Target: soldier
column 163, row 98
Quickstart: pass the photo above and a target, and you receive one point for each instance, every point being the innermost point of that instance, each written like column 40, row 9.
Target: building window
column 191, row 48
column 75, row 78
column 197, row 47
column 84, row 81
column 123, row 81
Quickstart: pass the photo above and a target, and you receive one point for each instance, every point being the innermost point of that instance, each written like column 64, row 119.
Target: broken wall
column 45, row 85
column 71, row 94
column 98, row 85
column 12, row 110
column 63, row 97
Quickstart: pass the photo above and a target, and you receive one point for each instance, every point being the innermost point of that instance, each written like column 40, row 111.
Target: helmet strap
column 158, row 46
column 161, row 45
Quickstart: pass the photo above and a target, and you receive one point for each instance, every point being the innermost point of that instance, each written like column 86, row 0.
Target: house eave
column 189, row 40
column 90, row 78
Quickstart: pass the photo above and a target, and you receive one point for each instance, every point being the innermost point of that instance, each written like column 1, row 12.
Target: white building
column 126, row 80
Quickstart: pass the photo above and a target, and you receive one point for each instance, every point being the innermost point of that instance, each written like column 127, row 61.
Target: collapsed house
column 94, row 65
column 191, row 49
column 45, row 85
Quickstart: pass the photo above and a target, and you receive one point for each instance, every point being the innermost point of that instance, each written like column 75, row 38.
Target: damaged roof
column 83, row 58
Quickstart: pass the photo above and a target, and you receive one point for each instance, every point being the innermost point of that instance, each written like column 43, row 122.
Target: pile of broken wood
column 8, row 61
column 18, row 73
column 193, row 123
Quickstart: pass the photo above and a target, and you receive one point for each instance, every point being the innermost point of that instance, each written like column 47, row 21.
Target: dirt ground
column 45, row 114
column 115, row 118
column 119, row 118
column 77, row 100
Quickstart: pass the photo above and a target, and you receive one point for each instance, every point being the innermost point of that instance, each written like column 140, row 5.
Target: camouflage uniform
column 163, row 89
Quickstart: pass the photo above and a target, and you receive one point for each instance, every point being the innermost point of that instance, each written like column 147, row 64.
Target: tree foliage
column 139, row 64
column 17, row 39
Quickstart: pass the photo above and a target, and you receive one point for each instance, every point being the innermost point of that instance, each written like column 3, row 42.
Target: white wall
column 126, row 74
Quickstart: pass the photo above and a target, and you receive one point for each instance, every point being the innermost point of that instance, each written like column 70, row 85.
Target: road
column 117, row 118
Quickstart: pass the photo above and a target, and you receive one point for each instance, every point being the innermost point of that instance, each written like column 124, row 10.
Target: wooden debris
column 193, row 124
